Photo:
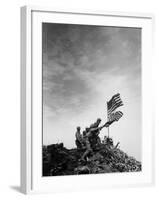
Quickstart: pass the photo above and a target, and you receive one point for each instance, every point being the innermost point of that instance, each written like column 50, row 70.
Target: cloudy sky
column 83, row 66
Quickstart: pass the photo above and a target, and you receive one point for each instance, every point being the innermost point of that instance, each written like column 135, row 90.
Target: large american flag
column 114, row 103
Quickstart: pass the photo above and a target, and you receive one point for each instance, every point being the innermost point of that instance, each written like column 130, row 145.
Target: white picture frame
column 31, row 51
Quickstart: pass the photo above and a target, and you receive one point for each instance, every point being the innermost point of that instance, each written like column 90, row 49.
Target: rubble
column 92, row 156
column 107, row 158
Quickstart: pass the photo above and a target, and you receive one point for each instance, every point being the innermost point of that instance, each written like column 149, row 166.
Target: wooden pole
column 107, row 119
column 108, row 131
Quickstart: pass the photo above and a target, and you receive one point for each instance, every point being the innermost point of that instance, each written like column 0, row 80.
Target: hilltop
column 107, row 158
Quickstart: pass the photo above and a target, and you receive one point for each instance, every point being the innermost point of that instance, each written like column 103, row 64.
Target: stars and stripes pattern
column 115, row 116
column 114, row 103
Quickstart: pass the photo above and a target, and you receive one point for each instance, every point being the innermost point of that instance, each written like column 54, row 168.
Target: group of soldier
column 89, row 139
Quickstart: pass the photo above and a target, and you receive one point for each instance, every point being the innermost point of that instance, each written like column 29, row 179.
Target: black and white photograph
column 91, row 99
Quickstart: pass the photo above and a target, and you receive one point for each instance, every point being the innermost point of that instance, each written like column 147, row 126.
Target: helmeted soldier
column 96, row 124
column 87, row 144
column 79, row 140
column 94, row 133
column 92, row 139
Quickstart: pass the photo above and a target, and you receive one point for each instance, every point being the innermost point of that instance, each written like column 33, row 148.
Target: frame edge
column 25, row 62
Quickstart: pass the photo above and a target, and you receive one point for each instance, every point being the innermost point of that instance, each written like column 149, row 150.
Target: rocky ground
column 58, row 160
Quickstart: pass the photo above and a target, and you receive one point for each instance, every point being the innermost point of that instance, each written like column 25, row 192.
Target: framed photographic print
column 86, row 100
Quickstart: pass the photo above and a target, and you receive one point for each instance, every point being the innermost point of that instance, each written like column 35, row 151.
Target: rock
column 82, row 170
column 107, row 158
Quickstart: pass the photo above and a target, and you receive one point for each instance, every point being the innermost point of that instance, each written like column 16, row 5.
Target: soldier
column 79, row 140
column 96, row 124
column 91, row 138
column 94, row 133
column 86, row 144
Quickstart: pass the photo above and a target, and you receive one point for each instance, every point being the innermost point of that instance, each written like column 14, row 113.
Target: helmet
column 84, row 133
column 87, row 129
column 99, row 120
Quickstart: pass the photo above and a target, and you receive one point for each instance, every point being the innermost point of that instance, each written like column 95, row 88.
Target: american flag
column 115, row 116
column 114, row 103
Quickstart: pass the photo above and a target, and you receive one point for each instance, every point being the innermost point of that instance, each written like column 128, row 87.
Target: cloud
column 83, row 66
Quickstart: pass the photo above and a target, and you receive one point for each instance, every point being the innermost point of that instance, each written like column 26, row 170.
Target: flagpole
column 107, row 119
column 108, row 131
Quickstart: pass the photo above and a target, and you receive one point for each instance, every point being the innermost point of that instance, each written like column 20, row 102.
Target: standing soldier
column 96, row 124
column 87, row 144
column 79, row 140
column 92, row 138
